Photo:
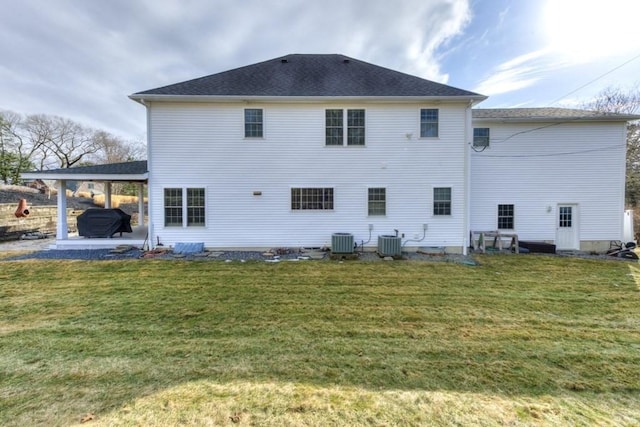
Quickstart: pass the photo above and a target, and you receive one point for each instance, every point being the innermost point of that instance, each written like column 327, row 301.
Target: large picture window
column 184, row 207
column 312, row 198
column 442, row 201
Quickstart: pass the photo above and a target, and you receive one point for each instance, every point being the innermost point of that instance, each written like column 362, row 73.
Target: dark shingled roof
column 127, row 168
column 547, row 113
column 307, row 76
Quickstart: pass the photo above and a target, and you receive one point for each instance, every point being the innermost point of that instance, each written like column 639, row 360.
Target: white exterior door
column 567, row 227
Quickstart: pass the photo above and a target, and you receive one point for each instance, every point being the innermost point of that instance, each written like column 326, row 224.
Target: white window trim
column 345, row 127
column 386, row 201
column 429, row 138
column 452, row 188
column 324, row 211
column 264, row 125
column 185, row 208
column 498, row 212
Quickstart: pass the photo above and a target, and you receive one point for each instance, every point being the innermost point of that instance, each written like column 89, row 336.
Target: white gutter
column 85, row 176
column 143, row 98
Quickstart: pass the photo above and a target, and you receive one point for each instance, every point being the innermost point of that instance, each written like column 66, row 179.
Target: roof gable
column 303, row 75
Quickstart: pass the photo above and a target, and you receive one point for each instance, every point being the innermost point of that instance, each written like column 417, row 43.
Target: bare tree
column 621, row 101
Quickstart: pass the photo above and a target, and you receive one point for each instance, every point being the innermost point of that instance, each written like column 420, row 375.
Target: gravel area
column 232, row 256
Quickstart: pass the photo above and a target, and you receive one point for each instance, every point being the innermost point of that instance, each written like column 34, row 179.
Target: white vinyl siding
column 248, row 183
column 538, row 166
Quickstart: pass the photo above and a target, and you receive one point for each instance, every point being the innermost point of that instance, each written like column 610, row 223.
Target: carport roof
column 126, row 171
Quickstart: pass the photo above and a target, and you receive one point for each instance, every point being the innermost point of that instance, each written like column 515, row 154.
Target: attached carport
column 127, row 172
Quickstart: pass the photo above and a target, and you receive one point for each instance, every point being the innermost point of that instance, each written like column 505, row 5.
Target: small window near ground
column 442, row 201
column 429, row 123
column 312, row 198
column 377, row 201
column 505, row 217
column 481, row 137
column 253, row 123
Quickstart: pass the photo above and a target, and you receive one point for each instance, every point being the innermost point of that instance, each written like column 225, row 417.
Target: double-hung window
column 335, row 131
column 253, row 123
column 377, row 201
column 481, row 137
column 312, row 198
column 505, row 217
column 184, row 207
column 442, row 201
column 429, row 123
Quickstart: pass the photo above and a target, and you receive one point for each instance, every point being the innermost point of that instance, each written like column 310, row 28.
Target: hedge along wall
column 41, row 218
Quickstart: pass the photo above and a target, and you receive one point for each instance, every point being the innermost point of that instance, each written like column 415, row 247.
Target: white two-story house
column 289, row 151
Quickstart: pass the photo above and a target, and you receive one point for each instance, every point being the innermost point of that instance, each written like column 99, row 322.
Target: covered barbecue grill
column 103, row 222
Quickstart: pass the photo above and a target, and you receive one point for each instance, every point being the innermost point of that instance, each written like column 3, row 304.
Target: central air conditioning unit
column 342, row 243
column 389, row 245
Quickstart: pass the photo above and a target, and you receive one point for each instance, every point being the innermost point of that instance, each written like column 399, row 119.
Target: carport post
column 140, row 203
column 62, row 230
column 107, row 195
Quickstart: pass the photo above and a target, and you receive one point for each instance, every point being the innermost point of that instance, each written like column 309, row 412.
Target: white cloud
column 518, row 73
column 80, row 59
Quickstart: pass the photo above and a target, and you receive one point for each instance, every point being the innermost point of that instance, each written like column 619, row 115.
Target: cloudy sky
column 81, row 58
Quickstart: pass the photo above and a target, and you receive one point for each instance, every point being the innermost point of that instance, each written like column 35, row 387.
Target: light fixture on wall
column 408, row 135
column 549, row 208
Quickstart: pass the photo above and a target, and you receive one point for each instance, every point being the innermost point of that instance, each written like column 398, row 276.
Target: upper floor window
column 377, row 201
column 335, row 129
column 429, row 123
column 505, row 217
column 253, row 123
column 480, row 137
column 312, row 198
column 442, row 201
column 184, row 206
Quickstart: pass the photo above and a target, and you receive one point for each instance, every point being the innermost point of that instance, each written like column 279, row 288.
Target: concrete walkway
column 27, row 245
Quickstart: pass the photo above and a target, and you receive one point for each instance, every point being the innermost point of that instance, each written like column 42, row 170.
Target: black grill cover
column 103, row 222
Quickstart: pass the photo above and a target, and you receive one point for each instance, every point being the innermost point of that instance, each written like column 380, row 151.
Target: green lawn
column 517, row 340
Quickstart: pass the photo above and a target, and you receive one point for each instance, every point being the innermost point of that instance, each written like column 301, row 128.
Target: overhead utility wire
column 597, row 78
column 563, row 122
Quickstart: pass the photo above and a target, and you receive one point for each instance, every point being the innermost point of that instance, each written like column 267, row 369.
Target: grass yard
column 518, row 340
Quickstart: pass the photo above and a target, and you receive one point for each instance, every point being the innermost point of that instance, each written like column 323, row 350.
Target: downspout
column 468, row 131
column 151, row 239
